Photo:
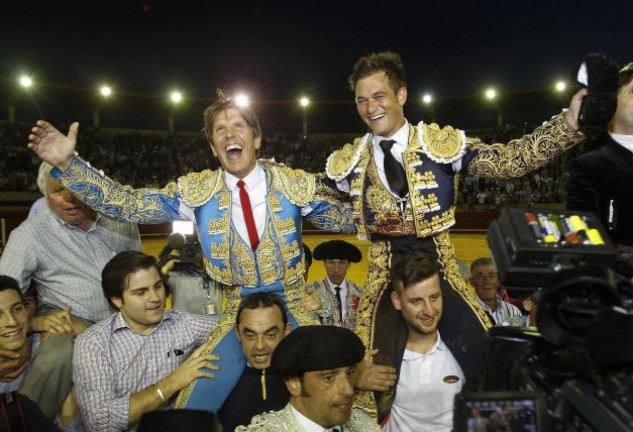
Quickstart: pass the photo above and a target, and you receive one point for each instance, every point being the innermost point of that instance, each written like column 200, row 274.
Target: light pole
column 25, row 82
column 304, row 102
column 427, row 100
column 105, row 92
column 176, row 98
column 491, row 95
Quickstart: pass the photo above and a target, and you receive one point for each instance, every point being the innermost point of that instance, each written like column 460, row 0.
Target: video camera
column 576, row 372
column 184, row 240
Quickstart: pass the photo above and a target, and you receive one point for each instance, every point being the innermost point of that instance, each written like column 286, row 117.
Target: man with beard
column 402, row 180
column 429, row 375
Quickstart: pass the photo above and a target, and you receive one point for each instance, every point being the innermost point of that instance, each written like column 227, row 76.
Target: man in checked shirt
column 136, row 360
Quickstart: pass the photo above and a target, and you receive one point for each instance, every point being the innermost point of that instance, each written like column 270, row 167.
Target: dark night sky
column 279, row 50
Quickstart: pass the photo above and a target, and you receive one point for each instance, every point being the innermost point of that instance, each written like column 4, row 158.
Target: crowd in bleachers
column 159, row 157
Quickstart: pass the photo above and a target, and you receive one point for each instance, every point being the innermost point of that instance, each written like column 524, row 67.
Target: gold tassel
column 264, row 384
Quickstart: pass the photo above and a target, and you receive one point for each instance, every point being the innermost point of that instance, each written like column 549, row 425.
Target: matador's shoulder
column 297, row 185
column 442, row 144
column 198, row 187
column 341, row 162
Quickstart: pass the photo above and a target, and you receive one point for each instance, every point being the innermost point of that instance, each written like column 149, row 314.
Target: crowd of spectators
column 159, row 157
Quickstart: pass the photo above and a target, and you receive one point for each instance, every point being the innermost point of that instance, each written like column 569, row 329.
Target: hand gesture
column 373, row 377
column 51, row 145
column 56, row 323
column 312, row 302
column 194, row 367
column 13, row 364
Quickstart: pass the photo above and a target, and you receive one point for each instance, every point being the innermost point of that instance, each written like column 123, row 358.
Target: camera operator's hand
column 170, row 264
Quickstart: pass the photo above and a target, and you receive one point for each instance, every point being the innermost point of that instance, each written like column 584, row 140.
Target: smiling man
column 139, row 358
column 248, row 215
column 429, row 375
column 318, row 364
column 401, row 179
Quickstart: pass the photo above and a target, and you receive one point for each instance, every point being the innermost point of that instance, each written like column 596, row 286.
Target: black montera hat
column 337, row 249
column 312, row 348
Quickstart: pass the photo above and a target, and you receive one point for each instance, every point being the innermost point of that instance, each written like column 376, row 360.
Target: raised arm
column 51, row 145
column 530, row 152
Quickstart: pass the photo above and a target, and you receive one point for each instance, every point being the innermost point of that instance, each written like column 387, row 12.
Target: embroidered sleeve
column 330, row 210
column 116, row 201
column 524, row 154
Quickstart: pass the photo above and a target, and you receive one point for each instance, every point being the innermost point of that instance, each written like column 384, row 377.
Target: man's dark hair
column 388, row 62
column 626, row 74
column 116, row 273
column 262, row 300
column 8, row 283
column 412, row 268
column 483, row 261
column 225, row 102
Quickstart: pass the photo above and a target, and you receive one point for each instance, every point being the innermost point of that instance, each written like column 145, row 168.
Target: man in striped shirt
column 139, row 358
column 483, row 277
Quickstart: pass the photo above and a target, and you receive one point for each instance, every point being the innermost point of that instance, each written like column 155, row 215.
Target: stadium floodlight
column 242, row 100
column 427, row 98
column 304, row 102
column 491, row 94
column 26, row 81
column 105, row 91
column 560, row 86
column 176, row 97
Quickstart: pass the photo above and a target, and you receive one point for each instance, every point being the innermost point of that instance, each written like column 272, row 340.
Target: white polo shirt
column 426, row 391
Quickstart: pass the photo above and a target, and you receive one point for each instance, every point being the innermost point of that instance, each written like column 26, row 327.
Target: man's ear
column 213, row 149
column 395, row 299
column 237, row 333
column 117, row 302
column 294, row 386
column 402, row 96
column 288, row 329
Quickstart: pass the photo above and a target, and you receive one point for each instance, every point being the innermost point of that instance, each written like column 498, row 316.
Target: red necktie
column 248, row 215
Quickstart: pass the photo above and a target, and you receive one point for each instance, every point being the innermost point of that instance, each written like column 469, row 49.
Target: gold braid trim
column 448, row 266
column 376, row 283
column 524, row 154
column 197, row 188
column 232, row 295
column 341, row 162
column 298, row 185
column 445, row 145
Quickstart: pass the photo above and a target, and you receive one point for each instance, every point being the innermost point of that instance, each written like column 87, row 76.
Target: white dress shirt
column 307, row 424
column 343, row 287
column 401, row 139
column 255, row 185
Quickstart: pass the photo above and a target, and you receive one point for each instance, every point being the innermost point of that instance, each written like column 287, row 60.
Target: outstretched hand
column 51, row 145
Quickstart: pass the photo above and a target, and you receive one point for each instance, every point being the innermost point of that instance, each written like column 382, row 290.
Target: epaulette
column 197, row 188
column 445, row 145
column 342, row 162
column 298, row 185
